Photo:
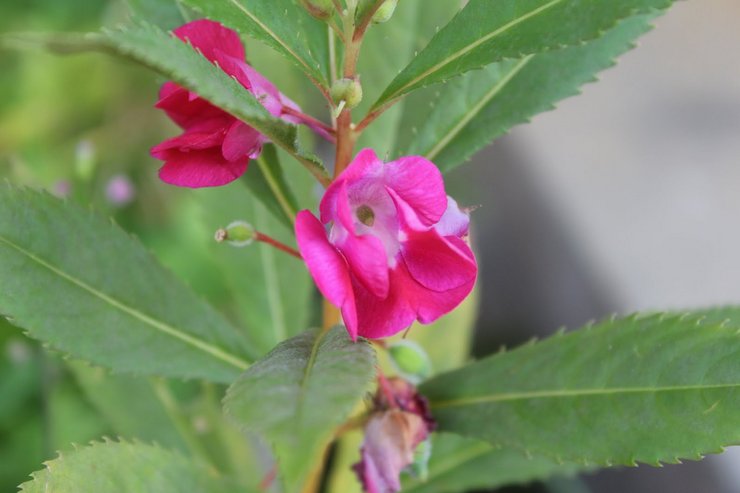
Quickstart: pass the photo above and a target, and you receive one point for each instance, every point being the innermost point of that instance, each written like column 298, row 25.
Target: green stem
column 179, row 419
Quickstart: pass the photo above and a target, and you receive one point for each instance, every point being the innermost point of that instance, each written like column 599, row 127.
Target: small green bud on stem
column 321, row 9
column 410, row 361
column 238, row 234
column 385, row 12
column 347, row 92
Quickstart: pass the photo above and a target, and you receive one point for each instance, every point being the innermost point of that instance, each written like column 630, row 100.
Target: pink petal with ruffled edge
column 200, row 168
column 327, row 267
column 418, row 182
column 184, row 110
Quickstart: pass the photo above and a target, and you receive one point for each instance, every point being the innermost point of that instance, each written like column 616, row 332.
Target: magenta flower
column 215, row 147
column 395, row 251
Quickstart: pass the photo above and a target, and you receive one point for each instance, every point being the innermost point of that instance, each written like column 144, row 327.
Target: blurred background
column 625, row 198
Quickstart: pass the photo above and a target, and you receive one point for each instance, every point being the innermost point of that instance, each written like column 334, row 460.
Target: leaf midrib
column 449, row 59
column 214, row 351
column 551, row 394
column 277, row 39
column 477, row 108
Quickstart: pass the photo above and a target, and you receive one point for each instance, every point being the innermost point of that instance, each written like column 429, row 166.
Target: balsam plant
column 321, row 390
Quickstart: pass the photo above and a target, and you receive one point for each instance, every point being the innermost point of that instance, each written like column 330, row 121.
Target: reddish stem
column 385, row 388
column 280, row 246
column 308, row 119
column 268, row 479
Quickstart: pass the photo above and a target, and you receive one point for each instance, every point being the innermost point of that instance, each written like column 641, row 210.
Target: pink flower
column 394, row 252
column 215, row 147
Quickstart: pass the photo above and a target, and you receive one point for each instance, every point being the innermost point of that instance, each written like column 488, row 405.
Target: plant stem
column 308, row 119
column 178, row 418
column 277, row 244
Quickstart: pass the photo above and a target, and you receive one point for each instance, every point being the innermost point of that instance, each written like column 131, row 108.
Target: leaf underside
column 641, row 389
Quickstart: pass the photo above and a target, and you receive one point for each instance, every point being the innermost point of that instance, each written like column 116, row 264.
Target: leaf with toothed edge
column 82, row 285
column 123, row 467
column 280, row 24
column 459, row 464
column 472, row 110
column 640, row 389
column 178, row 61
column 299, row 393
column 485, row 32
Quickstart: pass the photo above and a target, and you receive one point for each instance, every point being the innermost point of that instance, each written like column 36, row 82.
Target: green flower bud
column 347, row 90
column 385, row 12
column 410, row 361
column 321, row 9
column 238, row 234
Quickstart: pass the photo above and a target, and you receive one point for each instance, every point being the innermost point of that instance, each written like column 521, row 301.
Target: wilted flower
column 400, row 422
column 395, row 251
column 215, row 147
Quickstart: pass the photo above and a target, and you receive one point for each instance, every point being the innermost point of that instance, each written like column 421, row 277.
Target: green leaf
column 640, row 389
column 129, row 405
column 178, row 61
column 473, row 110
column 386, row 49
column 484, row 33
column 280, row 24
column 459, row 464
column 166, row 14
column 268, row 291
column 125, row 468
column 296, row 395
column 82, row 285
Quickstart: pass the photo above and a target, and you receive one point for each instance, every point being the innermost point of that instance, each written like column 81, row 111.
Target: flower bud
column 238, row 234
column 385, row 12
column 321, row 9
column 347, row 90
column 410, row 360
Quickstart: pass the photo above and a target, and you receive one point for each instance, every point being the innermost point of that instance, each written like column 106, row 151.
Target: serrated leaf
column 459, row 464
column 82, row 285
column 178, row 61
column 485, row 32
column 164, row 13
column 480, row 106
column 280, row 24
column 640, row 389
column 123, row 467
column 385, row 50
column 296, row 395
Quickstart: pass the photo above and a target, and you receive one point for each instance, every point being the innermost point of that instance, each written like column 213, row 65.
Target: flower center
column 366, row 215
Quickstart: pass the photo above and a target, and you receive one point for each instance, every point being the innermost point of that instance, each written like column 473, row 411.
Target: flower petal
column 436, row 263
column 208, row 36
column 418, row 182
column 454, row 221
column 327, row 267
column 365, row 166
column 241, row 141
column 184, row 110
column 200, row 168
